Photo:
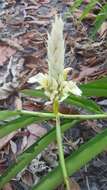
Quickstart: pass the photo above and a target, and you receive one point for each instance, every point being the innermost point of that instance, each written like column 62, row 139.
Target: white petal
column 66, row 71
column 36, row 78
column 64, row 97
column 56, row 49
column 73, row 88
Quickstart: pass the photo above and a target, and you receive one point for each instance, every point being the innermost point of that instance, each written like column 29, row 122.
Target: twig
column 87, row 181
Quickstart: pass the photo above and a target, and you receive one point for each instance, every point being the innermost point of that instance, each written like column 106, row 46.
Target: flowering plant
column 57, row 88
column 55, row 83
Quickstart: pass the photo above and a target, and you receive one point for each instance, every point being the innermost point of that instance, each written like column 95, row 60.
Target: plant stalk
column 61, row 153
column 53, row 115
column 60, row 146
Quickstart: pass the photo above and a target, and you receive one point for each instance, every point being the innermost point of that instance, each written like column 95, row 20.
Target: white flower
column 56, row 49
column 55, row 83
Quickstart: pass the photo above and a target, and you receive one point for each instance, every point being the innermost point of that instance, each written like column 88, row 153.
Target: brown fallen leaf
column 36, row 6
column 7, row 187
column 18, row 103
column 38, row 22
column 73, row 185
column 35, row 131
column 13, row 43
column 86, row 71
column 103, row 30
column 1, row 24
column 5, row 140
column 5, row 53
column 13, row 147
column 65, row 109
column 43, row 1
column 27, row 178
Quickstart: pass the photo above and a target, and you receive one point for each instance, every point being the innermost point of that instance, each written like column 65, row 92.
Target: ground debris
column 23, row 35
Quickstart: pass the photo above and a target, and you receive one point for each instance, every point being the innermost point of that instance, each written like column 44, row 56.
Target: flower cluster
column 55, row 83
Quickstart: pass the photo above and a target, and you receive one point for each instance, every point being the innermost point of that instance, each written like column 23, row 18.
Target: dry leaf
column 18, row 103
column 27, row 178
column 13, row 147
column 1, row 25
column 39, row 22
column 7, row 187
column 74, row 185
column 5, row 140
column 35, row 132
column 13, row 72
column 43, row 1
column 103, row 30
column 86, row 71
column 78, row 14
column 24, row 143
column 5, row 53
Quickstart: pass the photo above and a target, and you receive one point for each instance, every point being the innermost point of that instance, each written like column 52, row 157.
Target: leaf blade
column 101, row 17
column 19, row 123
column 85, row 103
column 87, row 9
column 25, row 158
column 74, row 162
column 95, row 88
column 6, row 114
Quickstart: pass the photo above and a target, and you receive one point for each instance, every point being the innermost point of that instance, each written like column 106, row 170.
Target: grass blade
column 101, row 17
column 75, row 5
column 87, row 9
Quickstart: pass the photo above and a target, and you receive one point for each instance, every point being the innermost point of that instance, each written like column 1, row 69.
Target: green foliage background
column 100, row 18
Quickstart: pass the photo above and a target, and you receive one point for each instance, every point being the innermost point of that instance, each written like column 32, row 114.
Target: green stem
column 38, row 114
column 61, row 153
column 59, row 142
column 53, row 115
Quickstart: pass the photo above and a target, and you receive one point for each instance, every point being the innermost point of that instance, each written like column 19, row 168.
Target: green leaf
column 95, row 88
column 84, row 102
column 18, row 124
column 6, row 114
column 25, row 158
column 87, row 9
column 33, row 93
column 75, row 5
column 101, row 17
column 75, row 161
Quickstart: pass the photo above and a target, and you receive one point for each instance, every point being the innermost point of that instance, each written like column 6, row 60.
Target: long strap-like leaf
column 18, row 123
column 82, row 101
column 74, row 162
column 24, row 159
